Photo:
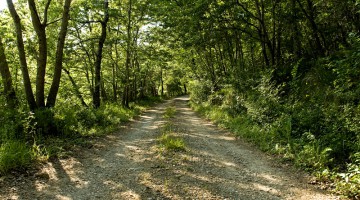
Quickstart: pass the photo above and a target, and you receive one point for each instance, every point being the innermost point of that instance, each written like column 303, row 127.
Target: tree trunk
column 128, row 59
column 51, row 99
column 114, row 83
column 162, row 82
column 42, row 56
column 9, row 91
column 76, row 88
column 22, row 56
column 96, row 96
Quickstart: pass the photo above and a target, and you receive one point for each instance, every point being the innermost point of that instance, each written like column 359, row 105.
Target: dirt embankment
column 129, row 165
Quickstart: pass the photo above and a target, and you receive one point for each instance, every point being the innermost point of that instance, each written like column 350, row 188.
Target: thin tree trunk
column 59, row 56
column 22, row 56
column 128, row 57
column 114, row 83
column 9, row 91
column 76, row 88
column 162, row 82
column 96, row 96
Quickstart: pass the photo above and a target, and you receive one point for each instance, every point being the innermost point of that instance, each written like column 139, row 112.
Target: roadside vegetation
column 23, row 142
column 315, row 134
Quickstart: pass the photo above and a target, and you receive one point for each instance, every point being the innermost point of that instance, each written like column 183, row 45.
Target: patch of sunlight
column 121, row 155
column 266, row 189
column 69, row 167
column 100, row 160
column 130, row 195
column 14, row 197
column 40, row 185
column 51, row 171
column 226, row 138
column 229, row 164
column 145, row 178
column 133, row 148
column 146, row 117
column 62, row 197
column 269, row 178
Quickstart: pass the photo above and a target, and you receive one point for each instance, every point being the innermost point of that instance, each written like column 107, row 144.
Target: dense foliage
column 284, row 74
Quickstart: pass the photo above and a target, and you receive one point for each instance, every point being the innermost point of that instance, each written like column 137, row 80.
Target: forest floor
column 129, row 164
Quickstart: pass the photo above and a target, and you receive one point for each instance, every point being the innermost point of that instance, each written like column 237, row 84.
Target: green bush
column 200, row 90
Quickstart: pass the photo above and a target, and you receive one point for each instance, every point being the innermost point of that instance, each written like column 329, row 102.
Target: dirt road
column 129, row 165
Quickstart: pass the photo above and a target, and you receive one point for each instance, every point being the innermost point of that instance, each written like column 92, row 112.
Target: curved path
column 129, row 165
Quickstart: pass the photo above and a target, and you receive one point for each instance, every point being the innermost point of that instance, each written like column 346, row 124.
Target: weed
column 171, row 142
column 169, row 112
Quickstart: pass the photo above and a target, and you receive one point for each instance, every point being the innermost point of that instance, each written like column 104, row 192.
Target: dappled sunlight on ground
column 130, row 165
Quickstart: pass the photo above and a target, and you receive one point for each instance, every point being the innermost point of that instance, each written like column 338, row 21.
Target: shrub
column 200, row 90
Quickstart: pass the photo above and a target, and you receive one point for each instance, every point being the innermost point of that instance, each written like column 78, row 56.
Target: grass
column 171, row 142
column 76, row 126
column 169, row 139
column 169, row 112
column 306, row 152
column 14, row 155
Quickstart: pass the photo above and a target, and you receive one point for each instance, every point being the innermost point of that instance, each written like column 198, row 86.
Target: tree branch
column 46, row 12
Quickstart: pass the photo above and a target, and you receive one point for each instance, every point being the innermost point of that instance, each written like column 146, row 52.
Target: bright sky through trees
column 3, row 4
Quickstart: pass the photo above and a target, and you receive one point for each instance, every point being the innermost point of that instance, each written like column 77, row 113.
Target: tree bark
column 96, row 96
column 40, row 29
column 125, row 100
column 9, row 91
column 51, row 99
column 22, row 56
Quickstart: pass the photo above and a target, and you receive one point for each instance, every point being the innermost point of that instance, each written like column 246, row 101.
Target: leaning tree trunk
column 76, row 88
column 22, row 56
column 51, row 99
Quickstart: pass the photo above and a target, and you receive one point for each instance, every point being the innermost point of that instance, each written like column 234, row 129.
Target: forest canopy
column 283, row 74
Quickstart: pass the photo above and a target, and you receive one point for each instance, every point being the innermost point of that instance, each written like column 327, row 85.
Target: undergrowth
column 315, row 134
column 27, row 138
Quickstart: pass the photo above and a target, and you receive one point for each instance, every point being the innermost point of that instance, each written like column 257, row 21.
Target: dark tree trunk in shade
column 97, row 87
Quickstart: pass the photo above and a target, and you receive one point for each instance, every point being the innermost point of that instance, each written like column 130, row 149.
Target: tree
column 96, row 98
column 51, row 99
column 9, row 90
column 42, row 54
column 22, row 56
